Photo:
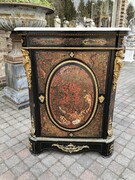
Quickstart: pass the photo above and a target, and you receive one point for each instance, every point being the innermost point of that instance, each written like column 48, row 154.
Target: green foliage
column 64, row 9
column 59, row 7
column 69, row 10
column 130, row 12
column 98, row 7
column 88, row 9
column 85, row 10
column 82, row 9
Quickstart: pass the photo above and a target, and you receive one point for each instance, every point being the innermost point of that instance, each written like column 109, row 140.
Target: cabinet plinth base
column 103, row 146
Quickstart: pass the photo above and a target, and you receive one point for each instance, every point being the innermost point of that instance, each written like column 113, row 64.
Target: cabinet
column 72, row 76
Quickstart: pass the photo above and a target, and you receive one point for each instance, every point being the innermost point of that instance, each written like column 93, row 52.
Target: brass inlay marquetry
column 27, row 66
column 98, row 41
column 117, row 67
column 70, row 148
column 101, row 99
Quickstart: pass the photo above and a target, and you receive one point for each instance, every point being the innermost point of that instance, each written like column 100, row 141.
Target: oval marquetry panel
column 71, row 95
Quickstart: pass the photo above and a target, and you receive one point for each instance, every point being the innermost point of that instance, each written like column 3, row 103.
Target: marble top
column 69, row 29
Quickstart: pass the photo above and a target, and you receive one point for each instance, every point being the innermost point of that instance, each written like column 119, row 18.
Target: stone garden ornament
column 20, row 13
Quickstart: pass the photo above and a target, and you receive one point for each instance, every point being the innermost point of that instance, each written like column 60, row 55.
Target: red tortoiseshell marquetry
column 71, row 96
column 71, row 92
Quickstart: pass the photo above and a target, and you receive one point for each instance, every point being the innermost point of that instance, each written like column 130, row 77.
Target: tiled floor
column 16, row 162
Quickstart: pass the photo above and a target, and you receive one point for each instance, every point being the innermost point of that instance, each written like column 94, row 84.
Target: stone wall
column 5, row 46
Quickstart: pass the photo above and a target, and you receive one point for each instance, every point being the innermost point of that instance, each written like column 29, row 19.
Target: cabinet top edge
column 71, row 29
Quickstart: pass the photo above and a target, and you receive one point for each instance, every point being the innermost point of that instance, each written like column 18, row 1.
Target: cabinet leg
column 35, row 147
column 107, row 149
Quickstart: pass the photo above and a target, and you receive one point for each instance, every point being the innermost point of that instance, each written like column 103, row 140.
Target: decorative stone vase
column 13, row 14
column 20, row 13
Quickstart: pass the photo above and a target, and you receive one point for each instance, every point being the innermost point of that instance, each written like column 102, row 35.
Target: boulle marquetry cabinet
column 72, row 77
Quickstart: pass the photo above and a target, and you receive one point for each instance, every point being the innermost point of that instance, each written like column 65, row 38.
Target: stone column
column 114, row 13
column 16, row 90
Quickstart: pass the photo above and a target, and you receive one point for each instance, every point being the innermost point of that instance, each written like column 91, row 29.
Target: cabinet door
column 72, row 84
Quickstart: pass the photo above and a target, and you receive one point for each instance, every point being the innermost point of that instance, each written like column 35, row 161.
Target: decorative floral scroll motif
column 117, row 67
column 111, row 148
column 93, row 42
column 27, row 66
column 70, row 148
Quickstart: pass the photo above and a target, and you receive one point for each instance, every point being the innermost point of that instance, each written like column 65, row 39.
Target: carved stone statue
column 57, row 22
column 65, row 23
column 89, row 23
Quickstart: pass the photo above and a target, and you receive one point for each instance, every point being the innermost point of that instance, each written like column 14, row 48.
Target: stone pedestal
column 130, row 48
column 2, row 70
column 16, row 90
column 4, row 46
column 129, row 55
column 20, row 14
column 130, row 43
column 17, row 87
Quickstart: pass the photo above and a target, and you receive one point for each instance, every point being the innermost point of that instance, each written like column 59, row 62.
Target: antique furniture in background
column 72, row 76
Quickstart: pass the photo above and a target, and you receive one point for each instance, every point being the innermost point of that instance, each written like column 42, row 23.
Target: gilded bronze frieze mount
column 27, row 66
column 70, row 148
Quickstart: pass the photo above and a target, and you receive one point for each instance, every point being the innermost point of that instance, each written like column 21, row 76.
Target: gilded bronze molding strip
column 32, row 130
column 110, row 129
column 70, row 148
column 72, row 48
column 27, row 66
column 117, row 67
column 75, row 34
column 70, row 140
